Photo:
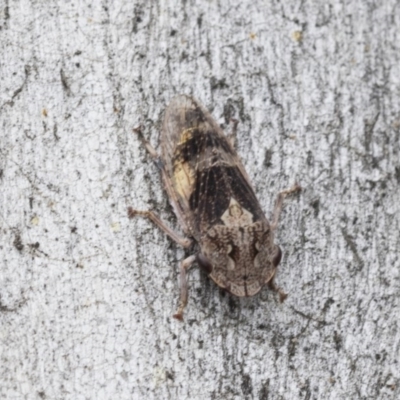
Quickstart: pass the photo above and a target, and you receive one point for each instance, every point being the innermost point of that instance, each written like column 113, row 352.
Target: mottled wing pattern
column 203, row 168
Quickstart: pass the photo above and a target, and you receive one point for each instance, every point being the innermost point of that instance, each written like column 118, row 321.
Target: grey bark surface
column 87, row 295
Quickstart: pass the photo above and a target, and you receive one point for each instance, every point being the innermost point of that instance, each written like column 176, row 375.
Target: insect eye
column 276, row 259
column 204, row 263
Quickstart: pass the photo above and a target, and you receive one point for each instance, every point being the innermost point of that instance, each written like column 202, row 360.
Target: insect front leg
column 183, row 284
column 146, row 144
column 279, row 203
column 184, row 242
column 233, row 135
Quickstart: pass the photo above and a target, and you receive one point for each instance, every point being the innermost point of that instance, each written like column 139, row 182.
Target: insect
column 215, row 204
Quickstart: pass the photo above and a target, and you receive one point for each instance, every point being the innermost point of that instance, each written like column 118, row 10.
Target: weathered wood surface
column 87, row 295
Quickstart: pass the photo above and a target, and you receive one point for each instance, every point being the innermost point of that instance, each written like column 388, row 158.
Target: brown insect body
column 214, row 200
column 215, row 203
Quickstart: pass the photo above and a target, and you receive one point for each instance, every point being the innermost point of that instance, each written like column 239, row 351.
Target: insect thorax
column 240, row 252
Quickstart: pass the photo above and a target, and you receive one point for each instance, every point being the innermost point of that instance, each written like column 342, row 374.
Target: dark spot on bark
column 292, row 347
column 264, row 391
column 232, row 303
column 247, row 387
column 305, row 391
column 310, row 158
column 338, row 341
column 64, row 82
column 315, row 205
column 218, row 83
column 229, row 112
column 170, row 375
column 268, row 158
column 327, row 304
column 18, row 242
column 397, row 174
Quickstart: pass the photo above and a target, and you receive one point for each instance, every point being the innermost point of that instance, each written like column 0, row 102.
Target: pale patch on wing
column 236, row 215
column 184, row 176
column 186, row 135
column 184, row 179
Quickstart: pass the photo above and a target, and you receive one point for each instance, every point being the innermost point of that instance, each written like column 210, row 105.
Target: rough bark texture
column 87, row 295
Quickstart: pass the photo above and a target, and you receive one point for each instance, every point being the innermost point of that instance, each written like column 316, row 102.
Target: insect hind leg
column 184, row 287
column 184, row 242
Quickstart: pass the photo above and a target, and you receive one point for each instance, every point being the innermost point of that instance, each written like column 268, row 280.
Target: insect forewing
column 203, row 171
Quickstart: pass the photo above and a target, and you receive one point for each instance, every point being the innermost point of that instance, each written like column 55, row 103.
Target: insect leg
column 233, row 135
column 272, row 286
column 183, row 284
column 145, row 143
column 279, row 203
column 184, row 242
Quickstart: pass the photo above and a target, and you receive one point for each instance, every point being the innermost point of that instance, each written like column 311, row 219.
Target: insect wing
column 204, row 173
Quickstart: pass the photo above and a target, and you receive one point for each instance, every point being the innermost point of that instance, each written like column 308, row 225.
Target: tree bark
column 87, row 295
